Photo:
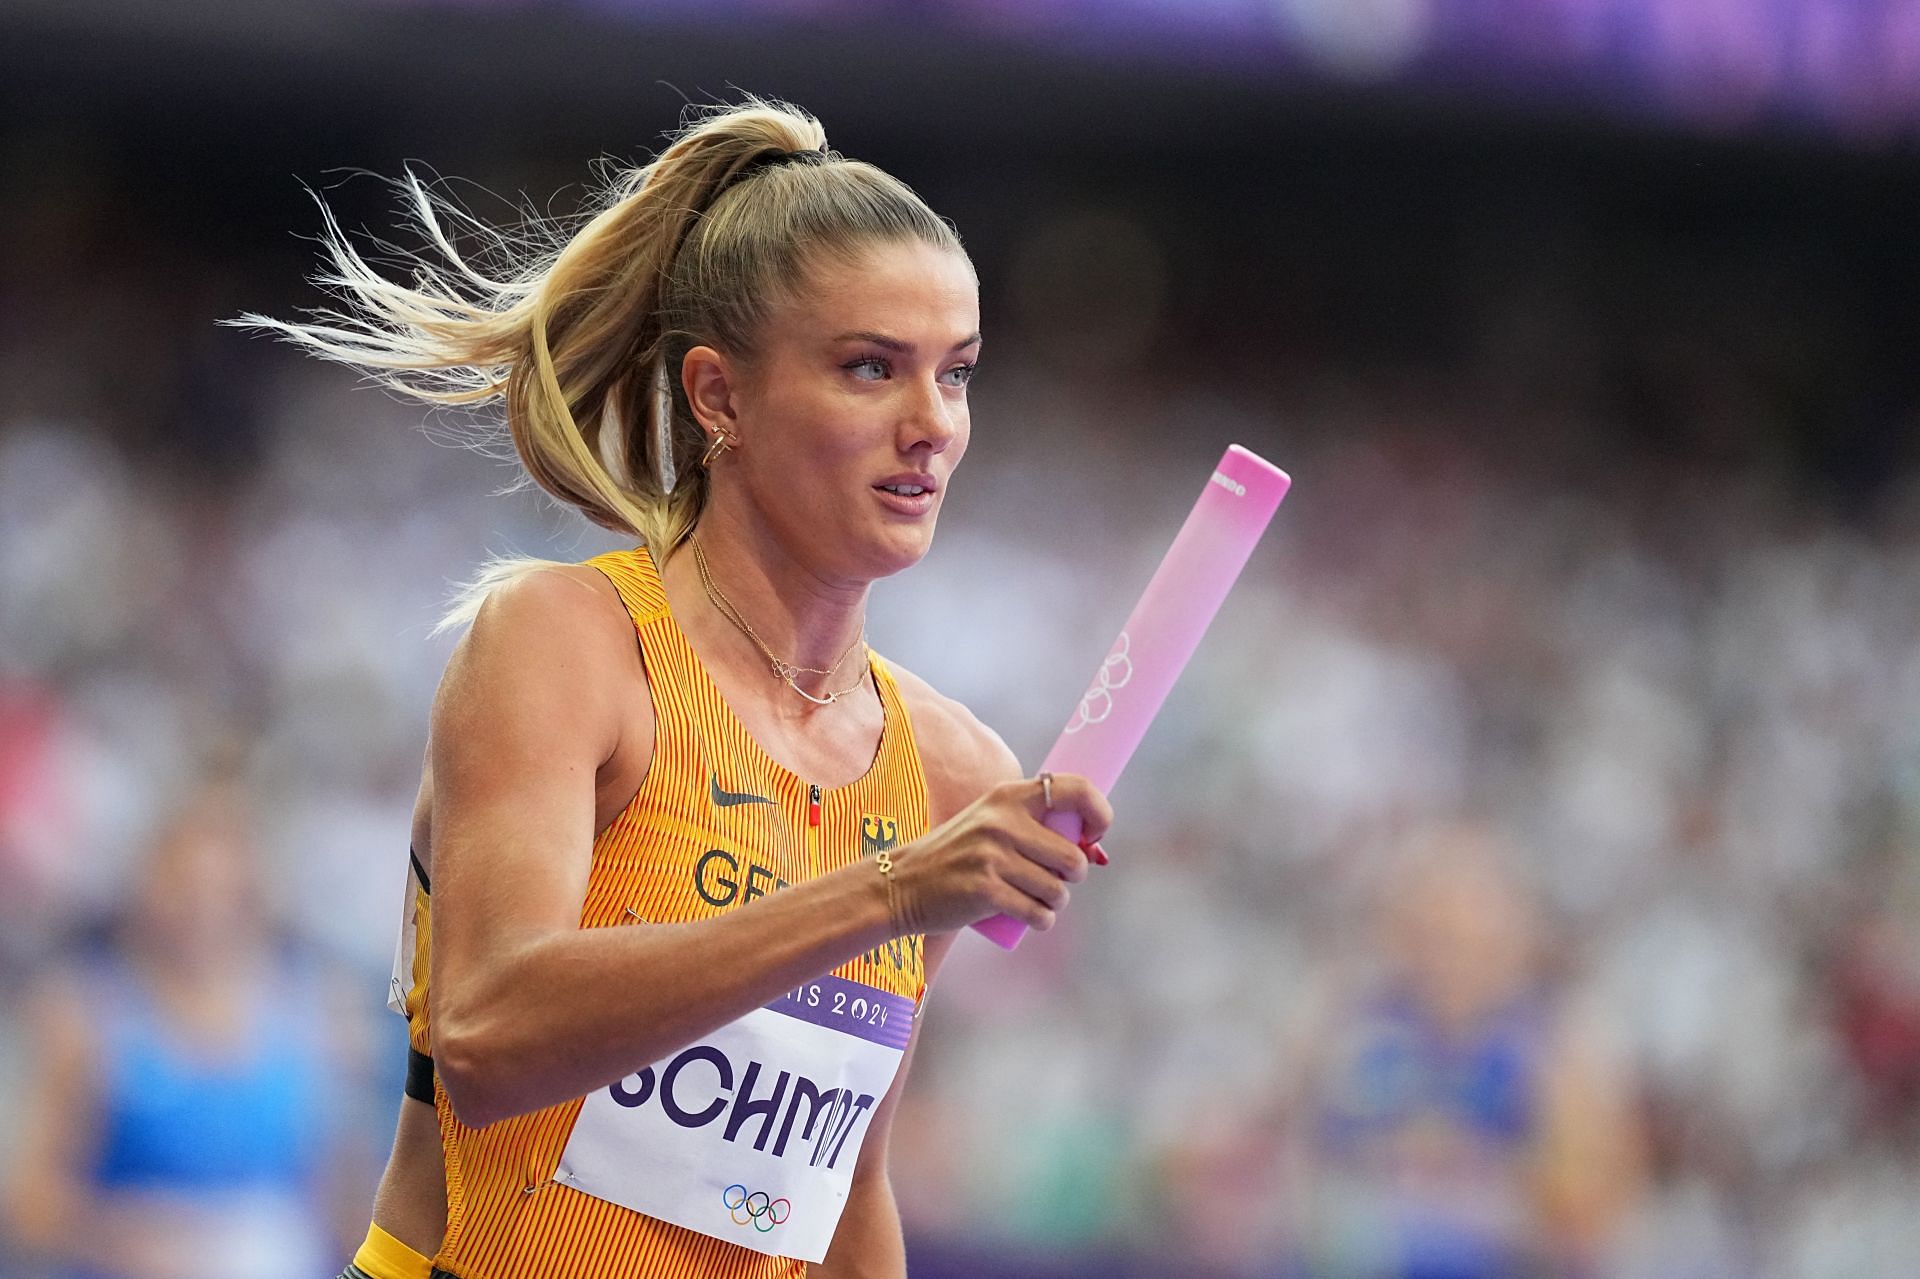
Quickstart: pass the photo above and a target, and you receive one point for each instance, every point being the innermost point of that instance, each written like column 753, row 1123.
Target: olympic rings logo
column 755, row 1208
column 1114, row 673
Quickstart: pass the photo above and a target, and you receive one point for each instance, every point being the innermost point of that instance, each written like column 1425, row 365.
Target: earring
column 720, row 444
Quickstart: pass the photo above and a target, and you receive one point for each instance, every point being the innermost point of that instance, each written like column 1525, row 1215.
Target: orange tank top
column 715, row 824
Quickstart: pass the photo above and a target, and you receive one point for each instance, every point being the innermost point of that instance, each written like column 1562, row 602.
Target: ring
column 1046, row 790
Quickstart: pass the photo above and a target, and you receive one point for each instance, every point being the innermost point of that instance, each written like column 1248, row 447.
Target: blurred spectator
column 181, row 1105
column 1874, row 983
column 1464, row 1123
column 1606, row 526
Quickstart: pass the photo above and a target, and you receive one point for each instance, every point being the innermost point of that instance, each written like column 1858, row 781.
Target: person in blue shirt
column 1467, row 1122
column 179, row 1114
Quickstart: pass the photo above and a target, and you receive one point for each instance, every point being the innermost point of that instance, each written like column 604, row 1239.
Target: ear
column 711, row 383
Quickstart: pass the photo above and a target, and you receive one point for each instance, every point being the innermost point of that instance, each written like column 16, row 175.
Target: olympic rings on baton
column 761, row 1212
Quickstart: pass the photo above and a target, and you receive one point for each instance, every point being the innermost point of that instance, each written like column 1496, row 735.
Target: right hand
column 996, row 857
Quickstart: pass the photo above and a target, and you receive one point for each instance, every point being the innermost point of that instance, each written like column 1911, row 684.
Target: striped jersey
column 716, row 824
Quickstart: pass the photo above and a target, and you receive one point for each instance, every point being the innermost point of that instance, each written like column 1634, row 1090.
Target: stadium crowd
column 1522, row 881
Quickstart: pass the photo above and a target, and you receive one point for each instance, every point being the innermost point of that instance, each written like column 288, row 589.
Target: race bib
column 404, row 950
column 752, row 1134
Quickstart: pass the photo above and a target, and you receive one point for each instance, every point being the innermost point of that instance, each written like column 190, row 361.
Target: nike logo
column 728, row 798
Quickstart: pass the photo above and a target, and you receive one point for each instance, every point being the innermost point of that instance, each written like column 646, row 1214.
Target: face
column 1463, row 926
column 200, row 883
column 856, row 398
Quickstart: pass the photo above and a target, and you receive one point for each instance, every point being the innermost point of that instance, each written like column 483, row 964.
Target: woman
column 178, row 1102
column 1468, row 1121
column 668, row 789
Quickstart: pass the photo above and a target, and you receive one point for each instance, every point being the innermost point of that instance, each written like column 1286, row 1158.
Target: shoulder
column 541, row 592
column 62, row 1013
column 963, row 757
column 548, row 642
column 566, row 613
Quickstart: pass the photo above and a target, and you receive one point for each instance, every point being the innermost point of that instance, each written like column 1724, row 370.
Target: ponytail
column 572, row 338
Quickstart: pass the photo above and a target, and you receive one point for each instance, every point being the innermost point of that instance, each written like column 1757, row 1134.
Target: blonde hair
column 564, row 324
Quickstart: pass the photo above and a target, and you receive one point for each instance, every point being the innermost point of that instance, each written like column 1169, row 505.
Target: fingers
column 1000, row 857
column 1074, row 794
column 1051, row 851
column 1032, row 896
column 1074, row 798
column 1038, row 883
column 1017, row 905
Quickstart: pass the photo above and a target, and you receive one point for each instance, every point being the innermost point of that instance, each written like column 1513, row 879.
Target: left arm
column 1590, row 1162
column 868, row 1240
column 964, row 759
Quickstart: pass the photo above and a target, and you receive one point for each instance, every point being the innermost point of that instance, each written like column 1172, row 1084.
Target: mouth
column 908, row 495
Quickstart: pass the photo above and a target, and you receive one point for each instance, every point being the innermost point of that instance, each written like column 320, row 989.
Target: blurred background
column 1522, row 882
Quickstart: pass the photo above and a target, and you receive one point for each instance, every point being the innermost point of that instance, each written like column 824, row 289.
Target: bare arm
column 964, row 761
column 1590, row 1164
column 529, row 1008
column 869, row 1242
column 44, row 1200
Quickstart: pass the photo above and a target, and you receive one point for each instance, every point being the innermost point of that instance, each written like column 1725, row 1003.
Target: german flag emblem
column 877, row 832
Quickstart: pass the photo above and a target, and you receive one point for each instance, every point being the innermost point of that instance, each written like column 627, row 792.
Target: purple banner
column 1849, row 66
column 851, row 1008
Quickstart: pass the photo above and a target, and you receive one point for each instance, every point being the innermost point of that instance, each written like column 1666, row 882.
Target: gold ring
column 1046, row 790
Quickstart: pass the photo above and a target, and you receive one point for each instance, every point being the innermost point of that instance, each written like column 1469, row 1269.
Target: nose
column 933, row 419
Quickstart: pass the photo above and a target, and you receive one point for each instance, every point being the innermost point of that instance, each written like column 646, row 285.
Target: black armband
column 419, row 1075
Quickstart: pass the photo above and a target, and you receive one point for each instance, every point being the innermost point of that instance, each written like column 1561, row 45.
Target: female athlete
column 686, row 852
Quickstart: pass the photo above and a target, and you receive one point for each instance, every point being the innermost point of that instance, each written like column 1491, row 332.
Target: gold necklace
column 782, row 671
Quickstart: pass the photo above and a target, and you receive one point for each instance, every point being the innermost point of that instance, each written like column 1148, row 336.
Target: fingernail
column 1098, row 854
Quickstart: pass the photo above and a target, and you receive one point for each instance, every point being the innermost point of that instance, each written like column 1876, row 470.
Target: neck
column 805, row 618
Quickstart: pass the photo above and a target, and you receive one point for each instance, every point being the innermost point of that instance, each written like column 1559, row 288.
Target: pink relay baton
column 1165, row 627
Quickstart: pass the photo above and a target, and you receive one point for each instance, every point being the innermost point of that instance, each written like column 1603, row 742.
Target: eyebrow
column 895, row 344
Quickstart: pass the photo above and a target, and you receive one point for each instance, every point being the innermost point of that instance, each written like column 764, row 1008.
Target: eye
column 869, row 368
column 964, row 370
